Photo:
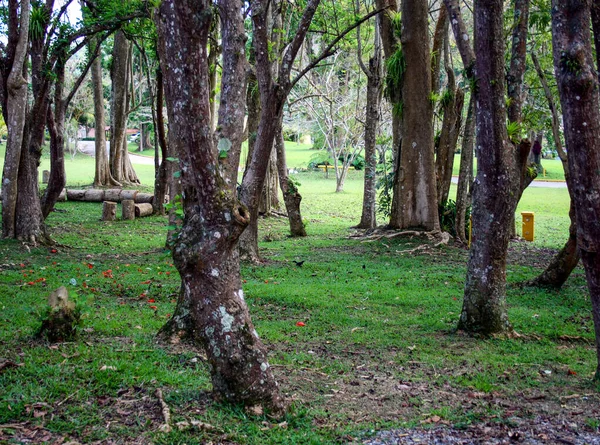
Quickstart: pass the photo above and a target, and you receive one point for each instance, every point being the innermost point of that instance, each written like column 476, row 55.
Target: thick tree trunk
column 205, row 252
column 16, row 114
column 102, row 176
column 578, row 89
column 415, row 196
column 484, row 307
column 120, row 165
column 289, row 189
column 465, row 175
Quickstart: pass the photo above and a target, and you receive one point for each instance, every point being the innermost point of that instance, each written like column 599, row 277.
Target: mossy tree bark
column 205, row 250
column 578, row 90
column 415, row 196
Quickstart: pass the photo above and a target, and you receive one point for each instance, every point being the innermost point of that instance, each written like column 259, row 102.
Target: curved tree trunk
column 205, row 252
column 291, row 195
column 560, row 268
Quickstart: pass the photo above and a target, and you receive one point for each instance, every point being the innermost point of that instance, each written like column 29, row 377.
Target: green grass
column 376, row 316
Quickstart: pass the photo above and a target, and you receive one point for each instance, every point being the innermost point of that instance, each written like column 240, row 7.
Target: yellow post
column 528, row 225
column 544, row 171
column 470, row 227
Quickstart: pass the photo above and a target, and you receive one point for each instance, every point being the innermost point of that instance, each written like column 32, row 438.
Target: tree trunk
column 102, row 176
column 415, row 196
column 465, row 175
column 289, row 189
column 484, row 306
column 578, row 90
column 444, row 162
column 560, row 268
column 374, row 73
column 164, row 176
column 205, row 252
column 16, row 115
column 120, row 165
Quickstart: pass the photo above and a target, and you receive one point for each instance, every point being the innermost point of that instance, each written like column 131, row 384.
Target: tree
column 121, row 168
column 578, row 89
column 374, row 73
column 102, row 175
column 205, row 250
column 563, row 263
column 14, row 108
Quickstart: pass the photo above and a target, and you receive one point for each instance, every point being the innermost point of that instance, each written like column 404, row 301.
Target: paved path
column 89, row 148
column 535, row 183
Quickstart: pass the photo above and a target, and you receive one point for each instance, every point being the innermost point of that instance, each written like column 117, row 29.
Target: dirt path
column 88, row 148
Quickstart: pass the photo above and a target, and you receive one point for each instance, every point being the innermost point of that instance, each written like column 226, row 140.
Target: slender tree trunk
column 449, row 135
column 578, row 90
column 465, row 175
column 56, row 128
column 205, row 251
column 374, row 73
column 16, row 115
column 164, row 176
column 415, row 195
column 289, row 189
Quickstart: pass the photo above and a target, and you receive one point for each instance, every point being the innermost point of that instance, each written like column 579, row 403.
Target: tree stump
column 109, row 211
column 143, row 209
column 45, row 176
column 128, row 209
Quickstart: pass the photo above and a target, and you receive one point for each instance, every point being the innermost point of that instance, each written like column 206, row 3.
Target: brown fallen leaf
column 7, row 364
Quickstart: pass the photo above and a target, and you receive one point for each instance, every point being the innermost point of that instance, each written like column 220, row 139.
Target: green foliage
column 385, row 183
column 394, row 79
column 322, row 157
column 447, row 213
column 38, row 20
column 514, row 130
column 293, row 184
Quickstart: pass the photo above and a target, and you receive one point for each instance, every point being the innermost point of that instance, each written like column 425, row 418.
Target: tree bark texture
column 484, row 306
column 16, row 114
column 415, row 197
column 205, row 250
column 374, row 73
column 578, row 90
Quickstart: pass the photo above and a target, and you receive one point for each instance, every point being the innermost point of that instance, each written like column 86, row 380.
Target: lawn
column 378, row 348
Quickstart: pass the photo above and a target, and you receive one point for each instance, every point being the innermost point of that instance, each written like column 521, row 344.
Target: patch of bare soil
column 371, row 391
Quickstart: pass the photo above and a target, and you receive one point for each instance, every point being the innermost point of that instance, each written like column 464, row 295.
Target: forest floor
column 375, row 360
